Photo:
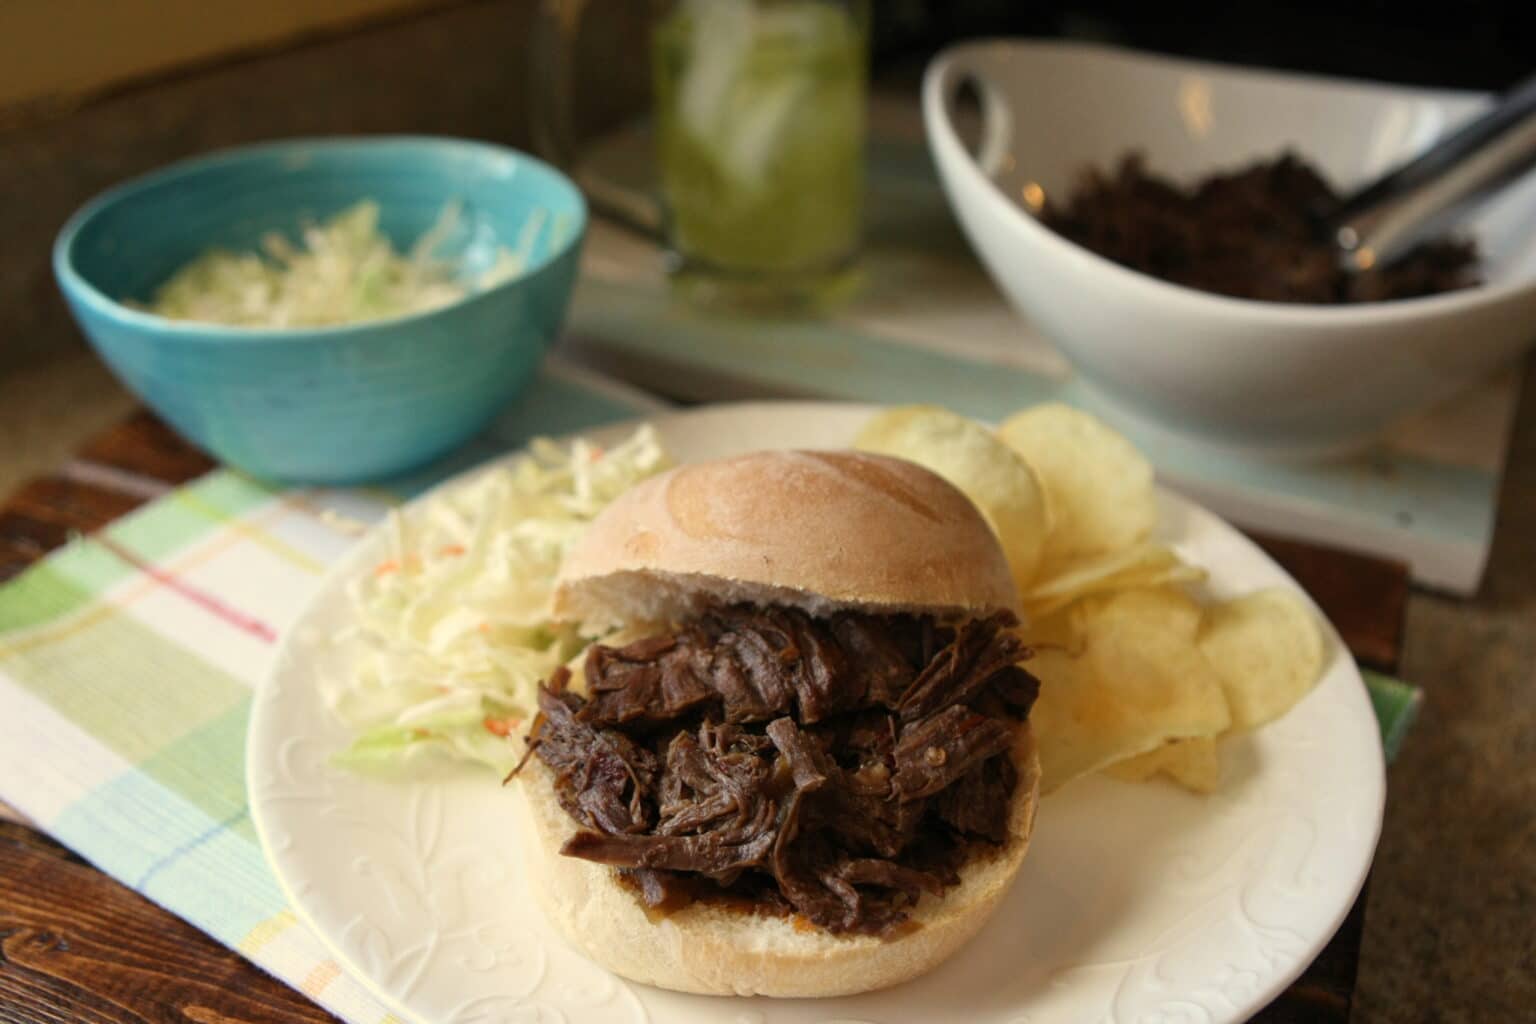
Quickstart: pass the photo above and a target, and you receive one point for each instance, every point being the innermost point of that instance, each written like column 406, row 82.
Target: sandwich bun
column 824, row 532
column 817, row 530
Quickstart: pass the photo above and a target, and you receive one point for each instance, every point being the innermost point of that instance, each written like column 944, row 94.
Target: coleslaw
column 452, row 627
column 344, row 270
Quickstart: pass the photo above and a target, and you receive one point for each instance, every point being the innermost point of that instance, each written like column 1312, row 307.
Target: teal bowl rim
column 76, row 286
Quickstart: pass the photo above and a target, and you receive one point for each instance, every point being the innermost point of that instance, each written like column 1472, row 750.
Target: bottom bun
column 713, row 950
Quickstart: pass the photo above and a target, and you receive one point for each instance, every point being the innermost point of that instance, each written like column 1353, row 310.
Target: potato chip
column 1139, row 682
column 991, row 474
column 1141, row 566
column 1268, row 650
column 1192, row 763
column 1059, row 630
column 1098, row 486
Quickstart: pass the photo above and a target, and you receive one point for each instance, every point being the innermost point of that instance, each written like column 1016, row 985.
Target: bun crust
column 712, row 950
column 818, row 530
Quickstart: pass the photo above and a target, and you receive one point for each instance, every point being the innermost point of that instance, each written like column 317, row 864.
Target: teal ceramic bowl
column 335, row 404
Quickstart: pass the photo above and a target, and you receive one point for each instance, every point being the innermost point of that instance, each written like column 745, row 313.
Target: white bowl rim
column 1197, row 302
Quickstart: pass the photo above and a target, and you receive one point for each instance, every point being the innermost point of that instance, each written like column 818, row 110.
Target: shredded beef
column 749, row 664
column 935, row 752
column 837, row 769
column 970, row 805
column 1250, row 232
column 705, row 853
column 658, row 889
column 960, row 671
column 606, row 777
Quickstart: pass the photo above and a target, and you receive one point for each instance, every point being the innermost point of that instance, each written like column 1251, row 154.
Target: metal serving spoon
column 1384, row 220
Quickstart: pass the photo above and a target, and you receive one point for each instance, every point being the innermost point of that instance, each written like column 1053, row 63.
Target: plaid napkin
column 127, row 663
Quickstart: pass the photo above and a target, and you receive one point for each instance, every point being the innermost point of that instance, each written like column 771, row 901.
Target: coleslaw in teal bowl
column 342, row 402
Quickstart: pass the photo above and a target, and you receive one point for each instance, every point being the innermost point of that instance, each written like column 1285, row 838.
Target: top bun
column 818, row 530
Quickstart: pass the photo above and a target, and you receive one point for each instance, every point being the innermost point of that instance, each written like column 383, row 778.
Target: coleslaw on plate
column 452, row 627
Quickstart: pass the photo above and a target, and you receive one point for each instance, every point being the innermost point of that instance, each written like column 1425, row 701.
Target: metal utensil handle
column 1426, row 194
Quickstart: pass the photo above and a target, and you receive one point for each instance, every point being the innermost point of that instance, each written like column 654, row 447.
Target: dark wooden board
column 1365, row 597
column 75, row 945
column 143, row 445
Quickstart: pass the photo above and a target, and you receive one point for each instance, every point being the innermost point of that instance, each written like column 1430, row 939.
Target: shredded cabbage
column 345, row 271
column 452, row 629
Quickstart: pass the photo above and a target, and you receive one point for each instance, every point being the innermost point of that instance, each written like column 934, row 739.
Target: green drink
column 760, row 124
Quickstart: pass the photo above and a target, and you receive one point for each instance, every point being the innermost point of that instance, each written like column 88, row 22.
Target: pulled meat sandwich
column 812, row 774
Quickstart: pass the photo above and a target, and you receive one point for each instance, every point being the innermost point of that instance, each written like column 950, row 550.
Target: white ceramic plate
column 1137, row 903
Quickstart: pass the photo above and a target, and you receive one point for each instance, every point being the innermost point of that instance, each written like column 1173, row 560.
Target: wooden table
column 75, row 945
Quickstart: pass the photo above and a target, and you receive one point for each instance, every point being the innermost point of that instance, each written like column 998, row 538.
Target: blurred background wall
column 60, row 51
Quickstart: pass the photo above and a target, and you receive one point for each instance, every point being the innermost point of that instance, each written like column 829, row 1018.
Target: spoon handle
column 1423, row 197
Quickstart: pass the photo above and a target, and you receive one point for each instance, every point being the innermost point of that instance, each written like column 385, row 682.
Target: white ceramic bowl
column 1269, row 377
